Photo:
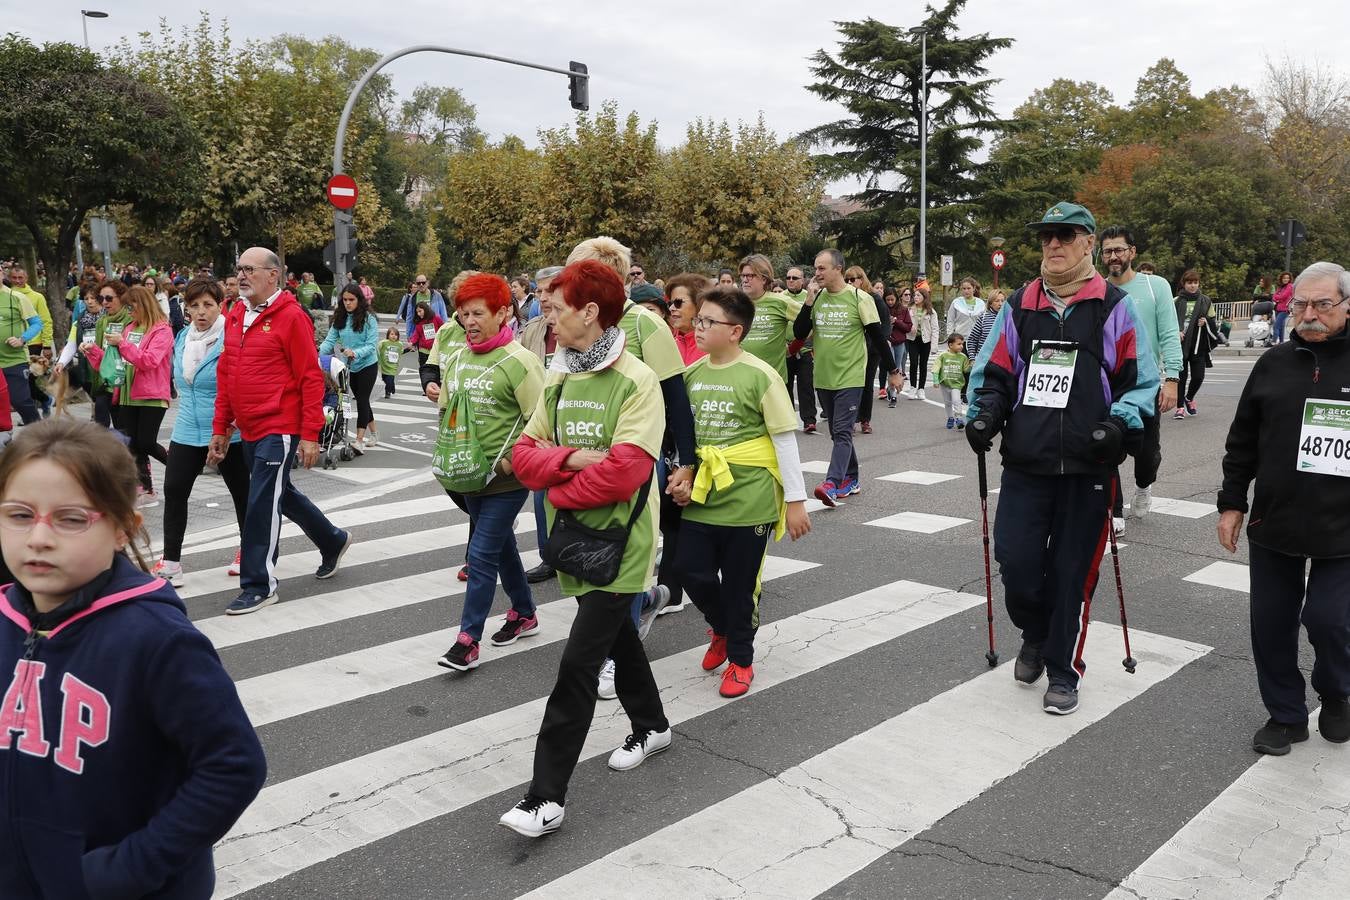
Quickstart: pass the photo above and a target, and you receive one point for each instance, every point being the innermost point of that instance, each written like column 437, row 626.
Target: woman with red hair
column 592, row 445
column 495, row 382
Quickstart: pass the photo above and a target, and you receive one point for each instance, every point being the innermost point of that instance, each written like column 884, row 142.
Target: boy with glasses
column 748, row 470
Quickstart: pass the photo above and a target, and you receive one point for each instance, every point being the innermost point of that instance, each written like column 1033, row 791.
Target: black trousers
column 1049, row 535
column 730, row 604
column 363, row 383
column 602, row 629
column 1190, row 378
column 869, row 393
column 1147, row 462
column 180, row 474
column 102, row 412
column 801, row 372
column 918, row 363
column 141, row 426
column 669, row 573
column 1279, row 600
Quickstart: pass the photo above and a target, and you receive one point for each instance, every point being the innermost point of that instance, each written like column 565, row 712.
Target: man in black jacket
column 1291, row 434
column 1067, row 376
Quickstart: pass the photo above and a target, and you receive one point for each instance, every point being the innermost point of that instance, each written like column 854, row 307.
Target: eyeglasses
column 1115, row 251
column 1065, row 234
column 706, row 322
column 794, row 278
column 420, row 283
column 67, row 520
column 746, row 276
column 249, row 270
column 1321, row 306
column 678, row 304
column 636, row 273
column 107, row 298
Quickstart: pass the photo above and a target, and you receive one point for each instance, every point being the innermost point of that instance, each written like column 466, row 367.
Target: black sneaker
column 1029, row 666
column 1275, row 738
column 515, row 626
column 1061, row 698
column 1334, row 719
column 540, row 573
column 328, row 566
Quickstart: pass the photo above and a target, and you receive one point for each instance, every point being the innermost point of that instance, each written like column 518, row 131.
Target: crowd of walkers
column 651, row 426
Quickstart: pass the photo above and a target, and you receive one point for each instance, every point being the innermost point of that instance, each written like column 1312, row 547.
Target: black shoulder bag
column 593, row 555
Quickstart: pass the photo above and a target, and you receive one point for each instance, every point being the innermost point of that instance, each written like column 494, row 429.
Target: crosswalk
column 386, row 769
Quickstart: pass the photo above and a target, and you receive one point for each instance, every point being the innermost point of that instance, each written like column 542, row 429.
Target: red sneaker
column 809, row 428
column 234, row 566
column 736, row 680
column 463, row 572
column 717, row 652
column 827, row 493
column 867, row 428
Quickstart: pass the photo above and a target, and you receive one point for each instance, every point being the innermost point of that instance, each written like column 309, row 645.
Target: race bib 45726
column 1050, row 377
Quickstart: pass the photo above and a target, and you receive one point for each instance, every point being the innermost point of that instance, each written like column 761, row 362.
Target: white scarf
column 197, row 345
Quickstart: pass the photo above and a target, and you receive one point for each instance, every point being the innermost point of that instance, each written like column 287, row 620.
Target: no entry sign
column 342, row 191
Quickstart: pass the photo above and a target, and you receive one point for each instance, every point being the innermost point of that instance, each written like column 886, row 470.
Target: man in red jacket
column 271, row 389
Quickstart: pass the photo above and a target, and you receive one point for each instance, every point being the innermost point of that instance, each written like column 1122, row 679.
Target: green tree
column 875, row 76
column 490, row 200
column 728, row 195
column 68, row 145
column 600, row 177
column 432, row 124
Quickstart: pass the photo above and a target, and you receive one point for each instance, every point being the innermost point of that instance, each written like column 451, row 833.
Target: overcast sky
column 674, row 62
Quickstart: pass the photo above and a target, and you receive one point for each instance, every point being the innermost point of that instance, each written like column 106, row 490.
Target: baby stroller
column 337, row 409
column 1258, row 332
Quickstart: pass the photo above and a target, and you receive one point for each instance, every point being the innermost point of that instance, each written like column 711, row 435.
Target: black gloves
column 1108, row 443
column 980, row 433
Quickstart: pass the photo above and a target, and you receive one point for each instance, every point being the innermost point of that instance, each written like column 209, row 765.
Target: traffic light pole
column 577, row 75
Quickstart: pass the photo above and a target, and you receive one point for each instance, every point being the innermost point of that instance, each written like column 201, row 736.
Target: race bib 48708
column 1324, row 442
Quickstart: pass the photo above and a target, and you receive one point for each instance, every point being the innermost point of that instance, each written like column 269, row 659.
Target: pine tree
column 875, row 75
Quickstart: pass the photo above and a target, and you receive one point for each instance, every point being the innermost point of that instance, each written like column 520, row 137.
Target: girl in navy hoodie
column 124, row 750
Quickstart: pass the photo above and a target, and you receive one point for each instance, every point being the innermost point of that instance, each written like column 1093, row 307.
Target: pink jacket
column 153, row 359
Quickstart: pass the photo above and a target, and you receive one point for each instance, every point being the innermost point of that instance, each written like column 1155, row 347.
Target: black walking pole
column 1129, row 661
column 992, row 655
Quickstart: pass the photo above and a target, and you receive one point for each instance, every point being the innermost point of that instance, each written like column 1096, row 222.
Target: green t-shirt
column 649, row 339
column 389, row 353
column 733, row 403
column 620, row 404
column 449, row 340
column 15, row 311
column 840, row 341
column 307, row 290
column 1152, row 297
column 504, row 386
column 771, row 330
column 951, row 369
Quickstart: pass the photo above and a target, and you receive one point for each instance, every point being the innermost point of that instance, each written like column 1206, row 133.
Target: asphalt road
column 876, row 755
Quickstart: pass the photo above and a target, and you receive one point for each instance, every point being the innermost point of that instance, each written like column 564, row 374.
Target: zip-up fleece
column 1115, row 375
column 269, row 377
column 124, row 750
column 1295, row 513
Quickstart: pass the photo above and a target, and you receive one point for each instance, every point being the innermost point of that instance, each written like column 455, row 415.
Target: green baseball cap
column 1066, row 214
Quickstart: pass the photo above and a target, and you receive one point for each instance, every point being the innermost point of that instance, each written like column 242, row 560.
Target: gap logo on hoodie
column 85, row 714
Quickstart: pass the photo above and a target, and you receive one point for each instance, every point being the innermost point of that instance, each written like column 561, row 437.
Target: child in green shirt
column 389, row 351
column 749, row 482
column 950, row 370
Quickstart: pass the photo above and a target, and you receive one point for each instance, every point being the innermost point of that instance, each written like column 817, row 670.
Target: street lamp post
column 996, row 243
column 85, row 16
column 922, row 32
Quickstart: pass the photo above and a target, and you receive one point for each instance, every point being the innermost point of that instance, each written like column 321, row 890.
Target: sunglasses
column 678, row 304
column 1065, row 234
column 636, row 273
column 107, row 298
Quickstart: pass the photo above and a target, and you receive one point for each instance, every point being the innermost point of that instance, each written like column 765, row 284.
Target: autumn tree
column 875, row 76
column 726, row 195
column 68, row 145
column 491, row 198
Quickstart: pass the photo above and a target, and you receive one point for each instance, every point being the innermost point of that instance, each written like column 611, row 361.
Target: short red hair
column 491, row 289
column 588, row 281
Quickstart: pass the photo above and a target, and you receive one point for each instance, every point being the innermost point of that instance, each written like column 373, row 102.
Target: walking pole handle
column 984, row 475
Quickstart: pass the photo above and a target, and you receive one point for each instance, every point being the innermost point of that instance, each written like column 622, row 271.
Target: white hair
column 1319, row 270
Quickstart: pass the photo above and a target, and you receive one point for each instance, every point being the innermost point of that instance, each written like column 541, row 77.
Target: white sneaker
column 172, row 572
column 1142, row 502
column 533, row 817
column 1118, row 526
column 637, row 748
column 606, row 687
column 674, row 607
column 372, row 438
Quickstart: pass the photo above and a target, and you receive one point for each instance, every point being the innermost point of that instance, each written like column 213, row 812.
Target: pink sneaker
column 172, row 572
column 462, row 655
column 234, row 566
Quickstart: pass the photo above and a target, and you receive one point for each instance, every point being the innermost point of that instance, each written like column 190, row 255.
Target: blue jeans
column 20, row 397
column 540, row 520
column 899, row 353
column 493, row 551
column 1280, row 319
column 271, row 496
